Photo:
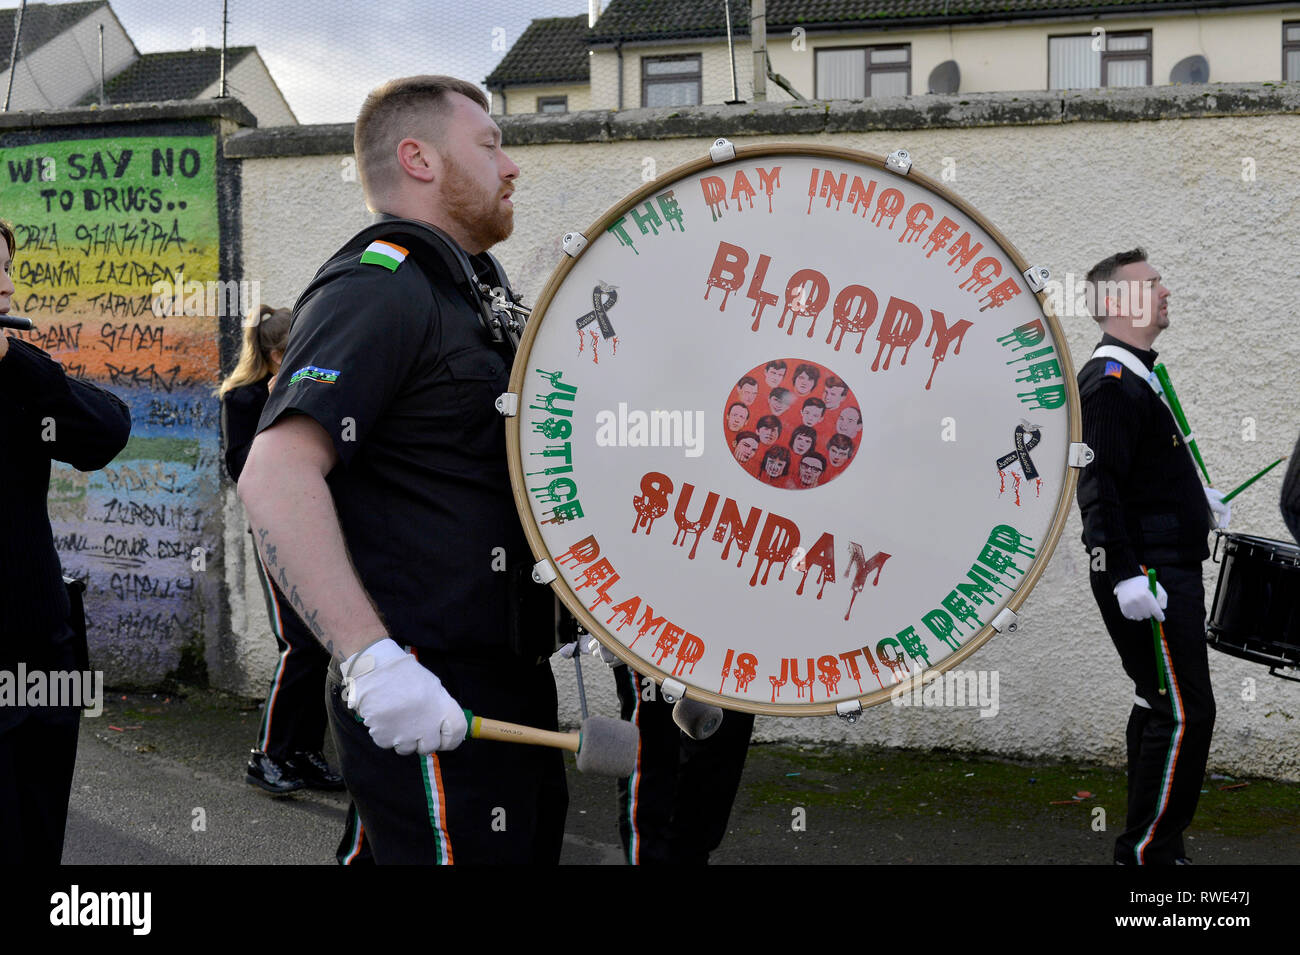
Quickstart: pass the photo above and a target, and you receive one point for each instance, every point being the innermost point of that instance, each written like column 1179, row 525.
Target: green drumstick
column 1163, row 375
column 1249, row 481
column 1155, row 638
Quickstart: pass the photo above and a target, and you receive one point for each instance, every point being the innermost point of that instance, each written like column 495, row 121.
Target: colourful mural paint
column 117, row 266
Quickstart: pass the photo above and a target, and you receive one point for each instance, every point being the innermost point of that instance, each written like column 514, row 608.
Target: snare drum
column 1256, row 611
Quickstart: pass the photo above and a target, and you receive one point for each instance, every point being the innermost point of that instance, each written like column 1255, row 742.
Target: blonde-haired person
column 292, row 733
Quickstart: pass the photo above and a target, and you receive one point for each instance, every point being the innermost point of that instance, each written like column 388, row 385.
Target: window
column 1101, row 59
column 672, row 80
column 859, row 72
column 1291, row 51
column 552, row 104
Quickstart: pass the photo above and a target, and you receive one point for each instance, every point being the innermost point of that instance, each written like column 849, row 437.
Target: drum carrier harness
column 480, row 278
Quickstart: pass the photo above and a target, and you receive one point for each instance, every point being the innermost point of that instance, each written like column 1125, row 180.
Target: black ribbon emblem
column 1021, row 453
column 602, row 300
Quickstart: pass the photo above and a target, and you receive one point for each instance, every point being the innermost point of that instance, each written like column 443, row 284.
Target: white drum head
column 792, row 429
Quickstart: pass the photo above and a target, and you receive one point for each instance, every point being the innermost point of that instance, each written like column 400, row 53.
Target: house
column 196, row 74
column 58, row 65
column 675, row 52
column 546, row 71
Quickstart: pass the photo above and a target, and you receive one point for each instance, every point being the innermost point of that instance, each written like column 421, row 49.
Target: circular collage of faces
column 792, row 424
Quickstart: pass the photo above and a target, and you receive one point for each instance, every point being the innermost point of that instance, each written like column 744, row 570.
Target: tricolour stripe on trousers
column 1175, row 744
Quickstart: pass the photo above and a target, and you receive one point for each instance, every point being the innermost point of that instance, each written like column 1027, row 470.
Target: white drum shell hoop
column 625, row 452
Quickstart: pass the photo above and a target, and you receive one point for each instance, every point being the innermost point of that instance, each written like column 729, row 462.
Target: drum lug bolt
column 722, row 150
column 1037, row 277
column 573, row 243
column 900, row 161
column 1080, row 455
column 672, row 690
column 507, row 404
column 1006, row 621
column 543, row 572
column 850, row 711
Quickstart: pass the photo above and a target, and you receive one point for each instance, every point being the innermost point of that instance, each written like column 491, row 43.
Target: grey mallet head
column 608, row 746
column 697, row 720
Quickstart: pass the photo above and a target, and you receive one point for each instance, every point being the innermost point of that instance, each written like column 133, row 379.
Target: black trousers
column 485, row 802
column 674, row 808
column 38, row 752
column 1169, row 738
column 293, row 720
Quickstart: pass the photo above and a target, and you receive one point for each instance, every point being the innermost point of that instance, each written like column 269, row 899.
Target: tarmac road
column 159, row 780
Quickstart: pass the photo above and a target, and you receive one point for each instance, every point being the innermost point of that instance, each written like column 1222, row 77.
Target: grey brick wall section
column 836, row 116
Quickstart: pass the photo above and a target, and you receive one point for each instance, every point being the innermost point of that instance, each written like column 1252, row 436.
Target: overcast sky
column 327, row 54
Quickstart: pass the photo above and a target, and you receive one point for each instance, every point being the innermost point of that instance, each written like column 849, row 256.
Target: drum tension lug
column 850, row 711
column 573, row 243
column 900, row 161
column 1037, row 277
column 672, row 690
column 543, row 572
column 1007, row 621
column 507, row 404
column 1080, row 455
column 722, row 150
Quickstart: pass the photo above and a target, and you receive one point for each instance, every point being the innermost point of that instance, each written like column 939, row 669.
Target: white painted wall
column 1066, row 195
column 523, row 99
column 1241, row 46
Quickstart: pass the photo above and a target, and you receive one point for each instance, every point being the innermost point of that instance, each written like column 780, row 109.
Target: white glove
column 1136, row 602
column 1222, row 511
column 589, row 646
column 596, row 648
column 404, row 704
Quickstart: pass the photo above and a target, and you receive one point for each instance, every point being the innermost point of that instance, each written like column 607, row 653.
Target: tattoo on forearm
column 309, row 615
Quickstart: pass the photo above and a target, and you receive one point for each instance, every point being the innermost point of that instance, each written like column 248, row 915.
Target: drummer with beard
column 1143, row 507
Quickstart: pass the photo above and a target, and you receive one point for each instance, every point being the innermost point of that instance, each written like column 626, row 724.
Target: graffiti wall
column 117, row 265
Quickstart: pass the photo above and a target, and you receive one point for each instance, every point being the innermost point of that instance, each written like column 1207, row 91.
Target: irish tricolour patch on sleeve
column 387, row 254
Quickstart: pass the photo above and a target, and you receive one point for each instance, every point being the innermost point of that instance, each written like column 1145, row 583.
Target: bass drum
column 792, row 429
column 1256, row 609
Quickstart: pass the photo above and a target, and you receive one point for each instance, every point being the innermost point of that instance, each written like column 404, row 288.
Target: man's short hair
column 815, row 456
column 410, row 106
column 810, row 370
column 833, row 382
column 769, row 421
column 814, row 403
column 1100, row 276
column 747, row 380
column 8, row 235
column 778, row 364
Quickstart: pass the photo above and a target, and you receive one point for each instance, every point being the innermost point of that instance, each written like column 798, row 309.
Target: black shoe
column 312, row 769
column 274, row 775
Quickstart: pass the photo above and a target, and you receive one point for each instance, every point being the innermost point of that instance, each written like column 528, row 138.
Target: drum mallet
column 605, row 746
column 1155, row 636
column 697, row 720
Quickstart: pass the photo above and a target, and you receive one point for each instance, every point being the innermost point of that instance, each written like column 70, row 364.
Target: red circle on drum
column 792, row 423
